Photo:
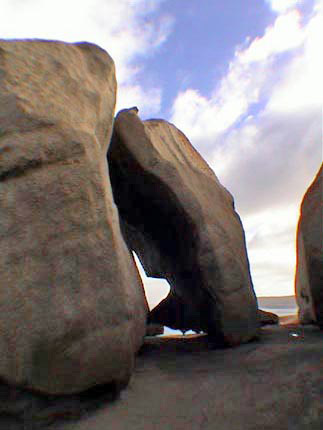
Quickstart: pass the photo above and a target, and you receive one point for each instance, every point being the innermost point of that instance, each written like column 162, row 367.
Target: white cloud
column 127, row 30
column 261, row 131
column 249, row 74
column 268, row 163
column 270, row 159
column 302, row 86
column 271, row 248
column 285, row 34
column 147, row 101
column 281, row 6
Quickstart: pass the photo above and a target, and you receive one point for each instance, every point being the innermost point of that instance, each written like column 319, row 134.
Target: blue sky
column 201, row 43
column 243, row 81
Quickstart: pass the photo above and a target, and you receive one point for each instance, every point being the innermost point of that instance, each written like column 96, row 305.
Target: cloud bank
column 261, row 132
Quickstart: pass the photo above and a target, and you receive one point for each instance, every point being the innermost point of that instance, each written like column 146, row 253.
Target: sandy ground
column 181, row 383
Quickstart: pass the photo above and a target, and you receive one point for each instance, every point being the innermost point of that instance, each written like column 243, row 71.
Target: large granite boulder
column 181, row 223
column 309, row 266
column 72, row 306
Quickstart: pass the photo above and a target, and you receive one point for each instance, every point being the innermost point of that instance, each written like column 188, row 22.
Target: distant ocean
column 278, row 305
column 285, row 305
column 281, row 311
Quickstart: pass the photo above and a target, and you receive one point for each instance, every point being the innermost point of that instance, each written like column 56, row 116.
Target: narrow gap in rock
column 156, row 290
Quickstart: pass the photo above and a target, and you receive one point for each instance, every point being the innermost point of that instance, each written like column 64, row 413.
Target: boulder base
column 267, row 318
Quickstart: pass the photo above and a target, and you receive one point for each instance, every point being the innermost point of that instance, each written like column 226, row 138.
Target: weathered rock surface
column 72, row 307
column 154, row 329
column 309, row 266
column 267, row 318
column 181, row 223
column 183, row 383
column 176, row 314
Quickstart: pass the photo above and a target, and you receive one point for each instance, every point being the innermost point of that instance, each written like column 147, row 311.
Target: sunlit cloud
column 148, row 101
column 271, row 248
column 261, row 132
column 249, row 76
column 302, row 86
column 281, row 6
column 284, row 35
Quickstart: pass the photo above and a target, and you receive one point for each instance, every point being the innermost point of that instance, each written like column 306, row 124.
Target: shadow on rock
column 22, row 409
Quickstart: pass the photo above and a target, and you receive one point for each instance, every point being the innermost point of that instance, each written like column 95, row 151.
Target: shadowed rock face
column 181, row 223
column 154, row 329
column 309, row 269
column 267, row 318
column 176, row 314
column 72, row 306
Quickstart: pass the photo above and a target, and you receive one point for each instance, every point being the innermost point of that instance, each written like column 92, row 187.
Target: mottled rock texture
column 176, row 314
column 181, row 223
column 309, row 267
column 267, row 318
column 72, row 307
column 154, row 330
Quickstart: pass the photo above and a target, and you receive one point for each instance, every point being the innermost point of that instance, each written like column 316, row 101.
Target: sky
column 243, row 81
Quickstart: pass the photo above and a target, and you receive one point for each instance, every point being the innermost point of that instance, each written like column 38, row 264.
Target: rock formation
column 154, row 330
column 176, row 314
column 72, row 307
column 267, row 318
column 309, row 266
column 181, row 223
